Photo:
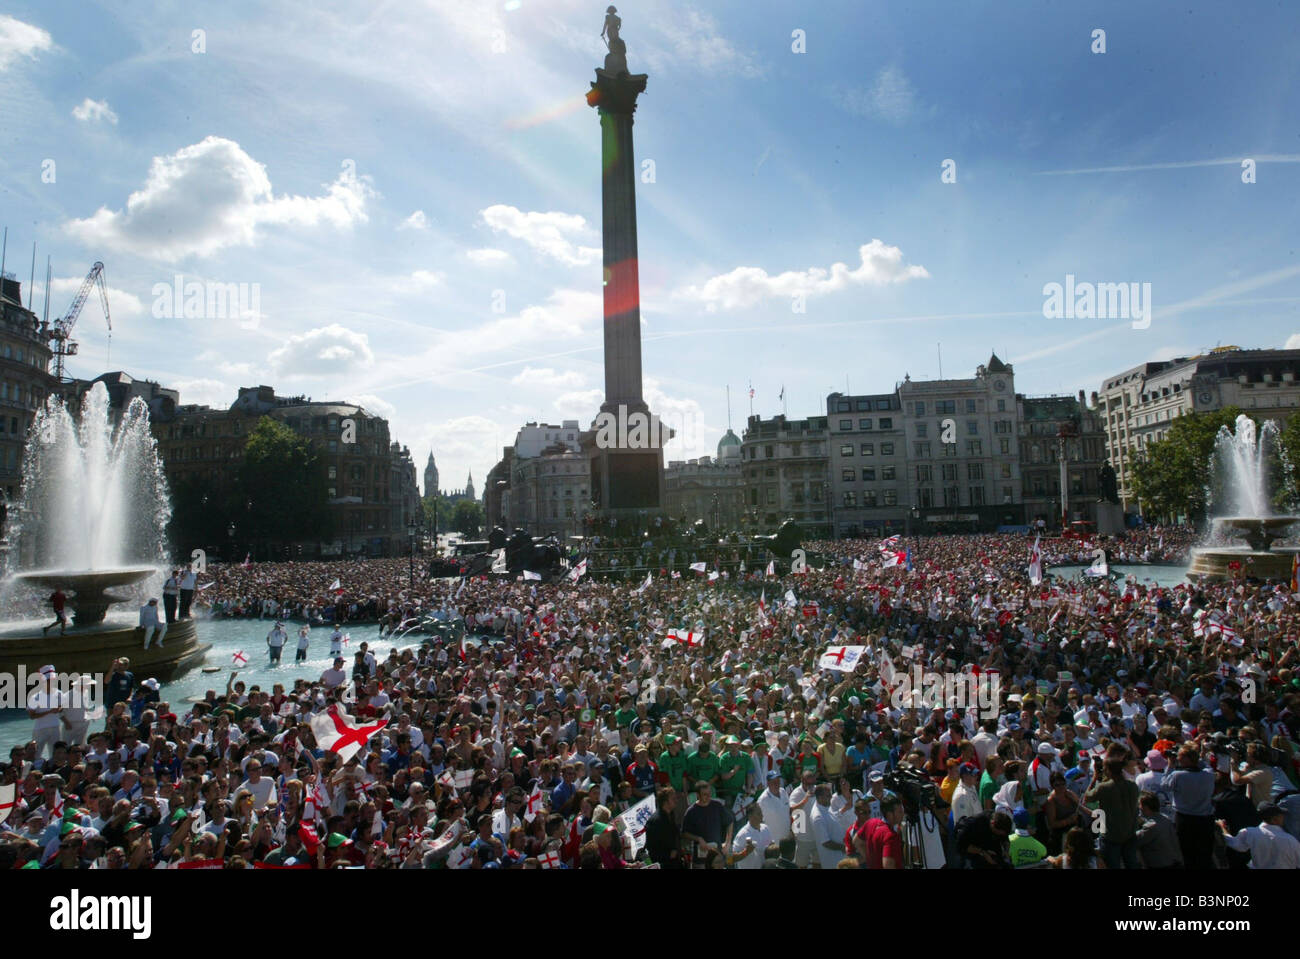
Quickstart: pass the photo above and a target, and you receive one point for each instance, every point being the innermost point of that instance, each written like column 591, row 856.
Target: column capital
column 616, row 94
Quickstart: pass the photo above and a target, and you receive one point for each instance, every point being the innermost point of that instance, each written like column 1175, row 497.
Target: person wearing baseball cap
column 1025, row 850
column 1269, row 844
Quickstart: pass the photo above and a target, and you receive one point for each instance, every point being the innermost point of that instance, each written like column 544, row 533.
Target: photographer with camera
column 982, row 840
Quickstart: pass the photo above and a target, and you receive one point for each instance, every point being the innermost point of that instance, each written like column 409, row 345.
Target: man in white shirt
column 150, row 624
column 801, row 807
column 1270, row 846
column 986, row 741
column 774, row 804
column 45, row 708
column 336, row 642
column 275, row 641
column 749, row 847
column 966, row 797
column 334, row 676
column 262, row 787
column 825, row 829
column 187, row 592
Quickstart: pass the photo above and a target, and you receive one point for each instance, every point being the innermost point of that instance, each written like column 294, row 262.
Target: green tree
column 468, row 517
column 281, row 487
column 1174, row 475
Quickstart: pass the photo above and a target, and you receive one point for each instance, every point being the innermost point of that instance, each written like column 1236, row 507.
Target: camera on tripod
column 914, row 788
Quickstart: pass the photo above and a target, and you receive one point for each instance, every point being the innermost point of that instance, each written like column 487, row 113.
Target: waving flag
column 699, row 567
column 890, row 543
column 336, row 588
column 631, row 825
column 713, row 576
column 790, row 599
column 841, row 658
column 578, row 571
column 248, row 560
column 1099, row 568
column 892, row 557
column 529, row 574
column 461, row 588
column 334, row 732
column 1035, row 564
column 811, row 609
column 771, row 568
column 684, row 638
column 644, row 586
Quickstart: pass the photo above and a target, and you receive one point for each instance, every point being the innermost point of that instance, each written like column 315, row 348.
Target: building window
column 847, row 476
column 921, row 431
column 925, row 497
column 868, row 449
column 886, row 423
column 950, row 497
column 869, row 498
column 1002, row 406
column 1004, row 447
column 972, row 428
column 846, row 425
column 920, row 407
column 887, row 472
column 767, row 451
column 1006, row 471
column 922, row 450
column 882, row 404
column 862, row 405
column 864, row 424
column 945, row 406
column 850, row 499
column 842, row 406
column 974, row 471
column 771, row 496
column 890, row 497
column 846, row 449
column 868, row 476
column 970, row 406
column 886, row 449
column 974, row 448
column 949, row 449
column 924, row 474
column 977, row 495
column 950, row 472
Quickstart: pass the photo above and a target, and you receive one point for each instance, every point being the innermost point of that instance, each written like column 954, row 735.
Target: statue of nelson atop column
column 616, row 59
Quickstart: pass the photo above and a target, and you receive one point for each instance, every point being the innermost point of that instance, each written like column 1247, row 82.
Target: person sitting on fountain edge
column 150, row 624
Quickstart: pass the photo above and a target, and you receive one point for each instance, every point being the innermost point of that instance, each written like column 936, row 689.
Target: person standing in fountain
column 303, row 642
column 150, row 624
column 275, row 641
column 187, row 591
column 59, row 602
column 171, row 591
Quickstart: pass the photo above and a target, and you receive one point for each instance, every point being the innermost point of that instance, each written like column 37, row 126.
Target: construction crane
column 60, row 334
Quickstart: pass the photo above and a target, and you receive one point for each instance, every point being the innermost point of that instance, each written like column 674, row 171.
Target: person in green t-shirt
column 1025, row 849
column 991, row 781
column 673, row 762
column 625, row 715
column 703, row 765
column 733, row 770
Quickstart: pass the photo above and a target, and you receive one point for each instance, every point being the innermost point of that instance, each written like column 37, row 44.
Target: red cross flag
column 334, row 731
column 550, row 860
column 534, row 805
column 842, row 658
column 240, row 657
column 811, row 609
column 8, row 800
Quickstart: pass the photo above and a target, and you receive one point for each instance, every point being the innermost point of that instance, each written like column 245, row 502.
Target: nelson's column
column 626, row 477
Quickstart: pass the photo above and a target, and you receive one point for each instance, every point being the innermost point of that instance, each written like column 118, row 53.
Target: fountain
column 1241, row 461
column 91, row 518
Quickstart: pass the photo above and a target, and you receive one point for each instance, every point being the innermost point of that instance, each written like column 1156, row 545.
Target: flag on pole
column 892, row 557
column 889, row 543
column 578, row 571
column 336, row 588
column 713, row 576
column 631, row 825
column 533, row 807
column 1295, row 573
column 1035, row 564
column 790, row 599
column 248, row 560
column 644, row 586
column 529, row 574
column 335, row 732
column 699, row 567
column 908, row 560
column 461, row 588
column 683, row 637
column 771, row 568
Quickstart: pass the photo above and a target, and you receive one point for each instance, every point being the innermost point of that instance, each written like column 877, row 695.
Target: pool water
column 228, row 636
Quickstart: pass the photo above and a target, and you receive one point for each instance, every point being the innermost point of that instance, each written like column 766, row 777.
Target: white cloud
column 487, row 256
column 373, row 404
column 418, row 282
column 552, row 234
column 685, row 417
column 209, row 196
column 328, row 351
column 579, row 403
column 748, row 285
column 1292, row 342
column 205, row 392
column 18, row 39
column 416, row 221
column 545, row 378
column 892, row 97
column 695, row 39
column 92, row 111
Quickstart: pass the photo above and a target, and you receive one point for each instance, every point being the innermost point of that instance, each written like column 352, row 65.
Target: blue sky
column 415, row 188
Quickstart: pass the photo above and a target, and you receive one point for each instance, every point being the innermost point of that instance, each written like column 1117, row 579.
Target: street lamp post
column 230, row 532
column 410, row 532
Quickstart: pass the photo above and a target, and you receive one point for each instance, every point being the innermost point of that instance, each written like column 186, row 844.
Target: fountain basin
column 1230, row 563
column 90, row 599
column 93, row 650
column 1259, row 532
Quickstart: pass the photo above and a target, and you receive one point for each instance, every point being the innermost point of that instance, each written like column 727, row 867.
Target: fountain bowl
column 1257, row 558
column 90, row 599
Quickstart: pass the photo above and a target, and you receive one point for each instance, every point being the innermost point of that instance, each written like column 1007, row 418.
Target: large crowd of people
column 727, row 718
